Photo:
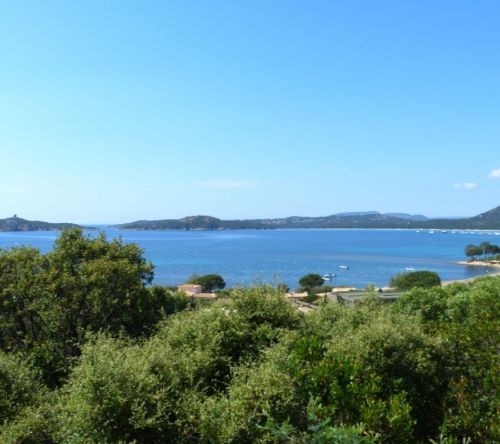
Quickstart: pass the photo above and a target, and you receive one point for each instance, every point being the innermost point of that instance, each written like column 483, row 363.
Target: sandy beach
column 494, row 264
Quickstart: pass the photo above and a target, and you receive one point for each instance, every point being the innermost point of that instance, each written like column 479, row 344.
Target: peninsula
column 489, row 220
column 18, row 224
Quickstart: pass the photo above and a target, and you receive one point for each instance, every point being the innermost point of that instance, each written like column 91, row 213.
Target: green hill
column 488, row 220
column 18, row 224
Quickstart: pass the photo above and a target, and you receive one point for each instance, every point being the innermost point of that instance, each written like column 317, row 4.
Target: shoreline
column 479, row 263
column 476, row 263
column 492, row 231
column 469, row 280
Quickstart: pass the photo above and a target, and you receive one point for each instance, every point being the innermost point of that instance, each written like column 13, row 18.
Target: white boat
column 328, row 276
column 409, row 269
column 344, row 267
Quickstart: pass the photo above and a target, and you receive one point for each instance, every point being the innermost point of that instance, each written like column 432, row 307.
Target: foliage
column 167, row 302
column 415, row 279
column 472, row 330
column 311, row 298
column 311, row 280
column 113, row 395
column 424, row 369
column 34, row 424
column 18, row 386
column 431, row 303
column 86, row 284
column 484, row 249
column 473, row 251
column 321, row 289
column 208, row 282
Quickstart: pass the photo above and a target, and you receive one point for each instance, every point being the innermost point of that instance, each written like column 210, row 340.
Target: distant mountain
column 376, row 213
column 18, row 224
column 488, row 218
column 358, row 213
column 370, row 219
column 408, row 216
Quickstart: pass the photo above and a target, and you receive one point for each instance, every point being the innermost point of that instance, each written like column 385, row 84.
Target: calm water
column 373, row 256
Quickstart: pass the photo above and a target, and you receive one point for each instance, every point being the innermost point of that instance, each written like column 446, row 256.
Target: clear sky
column 112, row 111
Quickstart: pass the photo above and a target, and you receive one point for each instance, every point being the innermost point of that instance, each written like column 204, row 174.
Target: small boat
column 328, row 276
column 431, row 232
column 344, row 267
column 409, row 269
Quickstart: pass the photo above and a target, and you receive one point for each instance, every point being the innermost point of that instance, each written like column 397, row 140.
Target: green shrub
column 34, row 424
column 258, row 393
column 406, row 362
column 115, row 394
column 472, row 330
column 321, row 289
column 415, row 279
column 18, row 386
column 431, row 304
column 311, row 298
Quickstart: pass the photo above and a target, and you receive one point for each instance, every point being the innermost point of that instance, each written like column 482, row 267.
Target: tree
column 86, row 284
column 473, row 250
column 485, row 247
column 311, row 280
column 491, row 249
column 23, row 288
column 415, row 279
column 208, row 282
column 98, row 284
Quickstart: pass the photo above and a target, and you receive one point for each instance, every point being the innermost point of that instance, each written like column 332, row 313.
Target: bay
column 243, row 257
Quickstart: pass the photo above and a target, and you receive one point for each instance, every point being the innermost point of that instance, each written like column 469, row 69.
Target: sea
column 244, row 257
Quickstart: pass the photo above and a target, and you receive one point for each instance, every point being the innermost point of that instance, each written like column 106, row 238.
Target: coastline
column 479, row 263
column 469, row 280
column 475, row 263
column 423, row 229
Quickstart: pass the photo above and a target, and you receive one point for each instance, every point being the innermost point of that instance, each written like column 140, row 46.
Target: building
column 196, row 292
column 190, row 289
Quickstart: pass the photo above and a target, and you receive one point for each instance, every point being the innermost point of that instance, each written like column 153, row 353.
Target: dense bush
column 415, row 279
column 18, row 386
column 251, row 369
column 49, row 303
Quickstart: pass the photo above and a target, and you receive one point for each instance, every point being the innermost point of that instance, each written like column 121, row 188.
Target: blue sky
column 114, row 111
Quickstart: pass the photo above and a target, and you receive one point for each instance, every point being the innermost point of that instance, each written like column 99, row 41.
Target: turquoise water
column 243, row 256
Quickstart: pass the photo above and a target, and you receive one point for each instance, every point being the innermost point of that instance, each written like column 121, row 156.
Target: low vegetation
column 415, row 279
column 485, row 251
column 91, row 352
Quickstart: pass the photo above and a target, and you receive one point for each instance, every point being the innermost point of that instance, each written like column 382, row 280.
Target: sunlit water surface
column 246, row 256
